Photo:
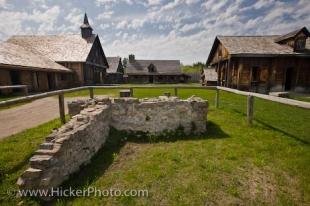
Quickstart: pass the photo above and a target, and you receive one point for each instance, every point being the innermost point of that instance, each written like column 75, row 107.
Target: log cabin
column 263, row 64
column 19, row 66
column 154, row 71
column 115, row 71
column 81, row 55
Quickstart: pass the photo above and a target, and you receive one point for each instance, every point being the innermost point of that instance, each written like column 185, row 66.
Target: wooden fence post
column 250, row 109
column 217, row 98
column 131, row 92
column 91, row 92
column 61, row 101
column 176, row 91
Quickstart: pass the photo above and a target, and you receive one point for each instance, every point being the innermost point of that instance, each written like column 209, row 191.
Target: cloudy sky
column 155, row 29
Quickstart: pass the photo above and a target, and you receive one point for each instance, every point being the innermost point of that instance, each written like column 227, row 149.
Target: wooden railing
column 250, row 96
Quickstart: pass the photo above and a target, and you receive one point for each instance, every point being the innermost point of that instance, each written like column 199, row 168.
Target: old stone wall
column 75, row 143
column 160, row 114
column 67, row 148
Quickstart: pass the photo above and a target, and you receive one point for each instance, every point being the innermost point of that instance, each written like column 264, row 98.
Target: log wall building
column 48, row 62
column 154, row 71
column 263, row 63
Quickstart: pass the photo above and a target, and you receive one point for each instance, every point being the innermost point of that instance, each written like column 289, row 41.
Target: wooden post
column 131, row 92
column 217, row 98
column 91, row 92
column 26, row 91
column 61, row 101
column 250, row 109
column 239, row 74
column 175, row 91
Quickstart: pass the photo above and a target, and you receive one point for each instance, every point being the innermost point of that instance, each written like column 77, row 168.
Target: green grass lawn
column 267, row 163
column 300, row 97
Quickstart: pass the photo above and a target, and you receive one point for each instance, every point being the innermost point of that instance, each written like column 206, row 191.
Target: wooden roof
column 256, row 46
column 168, row 67
column 293, row 34
column 60, row 48
column 14, row 55
column 113, row 64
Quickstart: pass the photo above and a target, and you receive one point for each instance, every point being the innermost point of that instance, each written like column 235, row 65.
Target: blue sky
column 155, row 29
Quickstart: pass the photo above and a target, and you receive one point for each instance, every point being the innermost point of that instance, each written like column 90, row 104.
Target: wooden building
column 154, row 71
column 115, row 71
column 81, row 53
column 19, row 66
column 263, row 63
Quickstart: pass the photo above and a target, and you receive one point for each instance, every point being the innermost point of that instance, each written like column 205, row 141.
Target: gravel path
column 17, row 119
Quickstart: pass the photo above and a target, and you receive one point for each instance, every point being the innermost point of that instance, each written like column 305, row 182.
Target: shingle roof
column 254, row 45
column 113, row 64
column 14, row 55
column 162, row 66
column 60, row 48
column 292, row 34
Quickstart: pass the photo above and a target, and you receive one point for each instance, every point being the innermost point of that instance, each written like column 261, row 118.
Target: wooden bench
column 22, row 87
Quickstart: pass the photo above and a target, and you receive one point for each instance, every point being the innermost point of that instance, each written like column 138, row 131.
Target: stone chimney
column 86, row 30
column 131, row 57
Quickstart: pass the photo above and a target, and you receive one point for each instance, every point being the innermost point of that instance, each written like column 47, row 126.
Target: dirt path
column 29, row 115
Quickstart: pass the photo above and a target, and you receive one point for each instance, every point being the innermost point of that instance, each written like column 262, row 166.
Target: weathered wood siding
column 96, row 54
column 271, row 73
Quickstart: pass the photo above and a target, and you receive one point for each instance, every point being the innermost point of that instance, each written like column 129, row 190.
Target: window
column 151, row 68
column 300, row 44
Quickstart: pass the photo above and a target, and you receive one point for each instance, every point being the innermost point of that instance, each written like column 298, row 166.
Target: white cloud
column 189, row 27
column 3, row 3
column 46, row 19
column 122, row 25
column 14, row 21
column 154, row 2
column 105, row 15
column 105, row 2
column 175, row 29
column 74, row 18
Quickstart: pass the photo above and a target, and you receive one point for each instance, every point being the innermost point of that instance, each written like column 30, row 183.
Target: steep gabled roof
column 162, row 67
column 293, row 34
column 14, row 55
column 253, row 46
column 113, row 64
column 60, row 48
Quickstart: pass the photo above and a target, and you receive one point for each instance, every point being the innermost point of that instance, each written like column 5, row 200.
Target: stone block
column 74, row 144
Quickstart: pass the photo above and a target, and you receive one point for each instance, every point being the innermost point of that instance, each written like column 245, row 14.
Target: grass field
column 267, row 163
column 300, row 97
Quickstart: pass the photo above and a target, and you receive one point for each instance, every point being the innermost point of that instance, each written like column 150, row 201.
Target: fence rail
column 250, row 97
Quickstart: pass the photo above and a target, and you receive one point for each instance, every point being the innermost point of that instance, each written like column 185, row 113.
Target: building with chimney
column 272, row 63
column 154, row 71
column 79, row 56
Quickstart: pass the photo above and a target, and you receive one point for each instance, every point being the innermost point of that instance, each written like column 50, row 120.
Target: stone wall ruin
column 76, row 142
